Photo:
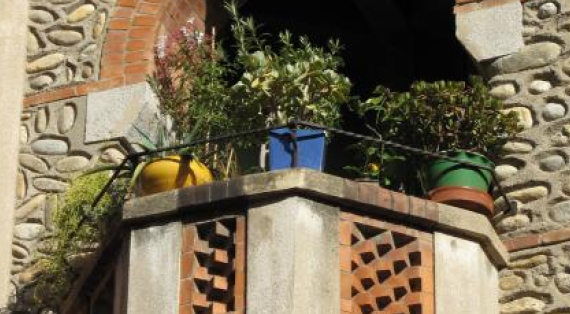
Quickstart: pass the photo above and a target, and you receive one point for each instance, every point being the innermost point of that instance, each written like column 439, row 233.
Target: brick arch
column 127, row 51
column 132, row 31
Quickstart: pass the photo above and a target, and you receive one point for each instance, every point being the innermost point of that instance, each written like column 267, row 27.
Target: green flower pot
column 443, row 172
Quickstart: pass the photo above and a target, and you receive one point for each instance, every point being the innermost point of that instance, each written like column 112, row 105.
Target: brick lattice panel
column 385, row 268
column 213, row 267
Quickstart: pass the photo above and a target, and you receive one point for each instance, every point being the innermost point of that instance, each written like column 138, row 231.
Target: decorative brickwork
column 385, row 268
column 213, row 267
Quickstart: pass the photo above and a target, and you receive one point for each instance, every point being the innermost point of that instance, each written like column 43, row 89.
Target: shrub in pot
column 170, row 170
column 190, row 82
column 454, row 118
column 292, row 79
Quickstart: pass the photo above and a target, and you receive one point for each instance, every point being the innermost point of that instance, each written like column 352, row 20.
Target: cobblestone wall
column 52, row 151
column 535, row 82
column 64, row 41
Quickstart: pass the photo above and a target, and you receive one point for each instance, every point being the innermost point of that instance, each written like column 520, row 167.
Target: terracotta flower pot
column 464, row 197
column 172, row 172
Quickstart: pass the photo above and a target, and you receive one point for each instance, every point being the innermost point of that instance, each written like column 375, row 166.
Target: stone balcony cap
column 350, row 195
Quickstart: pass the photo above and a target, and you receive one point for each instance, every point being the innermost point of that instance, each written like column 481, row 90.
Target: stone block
column 154, row 269
column 113, row 113
column 491, row 32
column 293, row 258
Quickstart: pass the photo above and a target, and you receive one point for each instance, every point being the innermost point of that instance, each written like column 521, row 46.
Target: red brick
column 113, row 71
column 144, row 21
column 116, row 36
column 199, row 6
column 385, row 199
column 127, row 3
column 148, row 8
column 113, row 47
column 111, row 60
column 135, row 78
column 134, row 45
column 136, row 68
column 123, row 12
column 345, row 232
column 493, row 3
column 137, row 56
column 346, row 306
column 555, row 236
column 141, row 32
column 346, row 286
column 345, row 258
column 186, row 309
column 368, row 194
column 401, row 202
column 186, row 265
column 100, row 85
column 62, row 93
column 418, row 207
column 186, row 289
column 119, row 24
column 523, row 242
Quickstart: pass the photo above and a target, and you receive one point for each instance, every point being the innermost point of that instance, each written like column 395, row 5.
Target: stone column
column 13, row 25
column 466, row 280
column 293, row 258
column 154, row 269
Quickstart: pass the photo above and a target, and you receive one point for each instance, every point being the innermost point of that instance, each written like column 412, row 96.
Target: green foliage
column 441, row 116
column 437, row 117
column 377, row 162
column 294, row 80
column 78, row 228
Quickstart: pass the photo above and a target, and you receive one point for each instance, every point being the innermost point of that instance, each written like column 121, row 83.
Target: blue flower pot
column 310, row 149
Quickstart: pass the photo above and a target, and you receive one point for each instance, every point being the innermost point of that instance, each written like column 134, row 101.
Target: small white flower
column 161, row 47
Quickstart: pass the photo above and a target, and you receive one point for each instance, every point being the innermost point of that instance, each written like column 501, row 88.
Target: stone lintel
column 115, row 112
column 490, row 29
column 350, row 195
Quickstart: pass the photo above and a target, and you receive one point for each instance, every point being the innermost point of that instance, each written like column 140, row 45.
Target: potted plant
column 288, row 80
column 193, row 94
column 170, row 170
column 373, row 165
column 460, row 120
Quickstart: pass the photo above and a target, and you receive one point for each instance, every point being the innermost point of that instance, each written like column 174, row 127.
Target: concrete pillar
column 154, row 269
column 13, row 25
column 466, row 281
column 293, row 258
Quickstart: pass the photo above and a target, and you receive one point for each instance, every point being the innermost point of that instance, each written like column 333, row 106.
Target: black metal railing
column 133, row 157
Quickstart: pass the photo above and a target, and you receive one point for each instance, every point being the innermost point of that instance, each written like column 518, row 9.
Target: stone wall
column 534, row 82
column 52, row 152
column 64, row 41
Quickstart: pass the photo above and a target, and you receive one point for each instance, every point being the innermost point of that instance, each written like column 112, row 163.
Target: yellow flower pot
column 172, row 172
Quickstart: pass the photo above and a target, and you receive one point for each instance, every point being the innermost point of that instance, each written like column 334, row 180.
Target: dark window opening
column 386, row 42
